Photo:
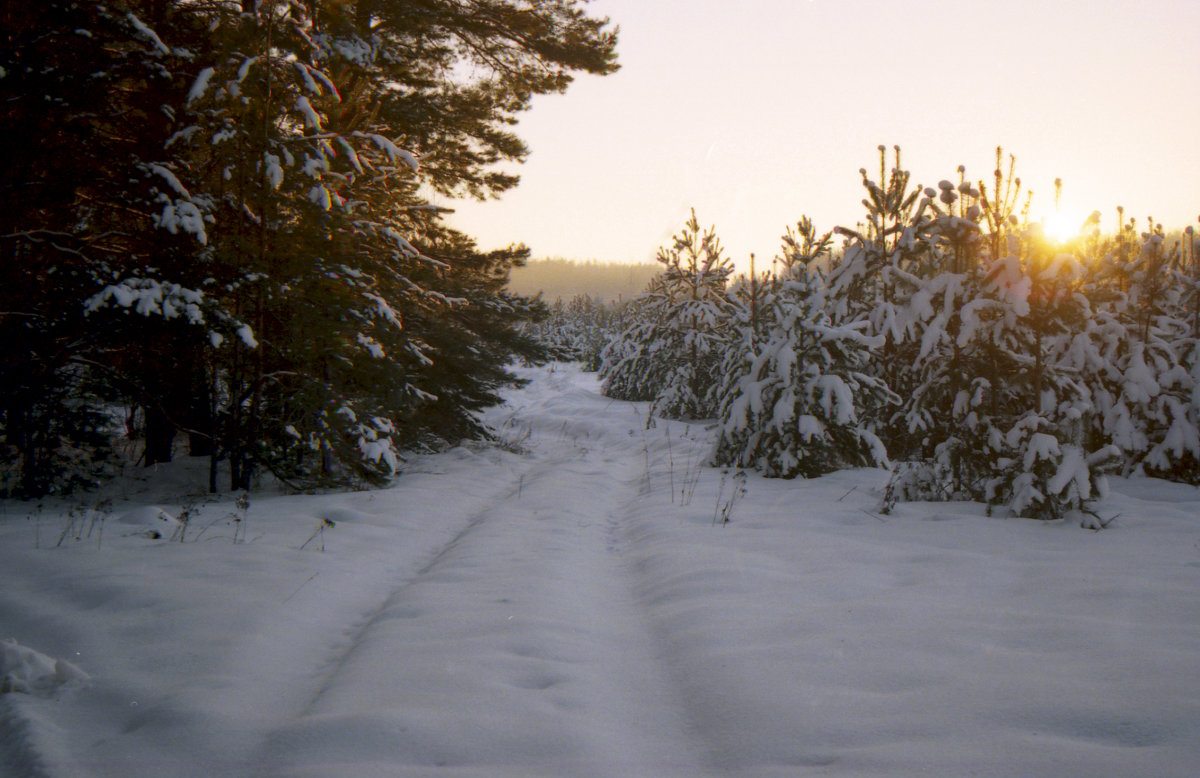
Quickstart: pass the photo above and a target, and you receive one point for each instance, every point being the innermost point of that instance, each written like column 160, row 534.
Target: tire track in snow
column 345, row 650
column 518, row 649
column 19, row 754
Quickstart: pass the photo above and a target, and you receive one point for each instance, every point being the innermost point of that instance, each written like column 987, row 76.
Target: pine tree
column 1144, row 339
column 80, row 118
column 629, row 365
column 797, row 382
column 672, row 351
column 296, row 304
column 875, row 276
column 1044, row 467
column 998, row 402
column 951, row 368
column 579, row 330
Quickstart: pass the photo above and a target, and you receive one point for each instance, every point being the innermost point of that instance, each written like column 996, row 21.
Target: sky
column 758, row 112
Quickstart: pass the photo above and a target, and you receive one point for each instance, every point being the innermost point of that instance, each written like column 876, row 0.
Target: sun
column 1063, row 226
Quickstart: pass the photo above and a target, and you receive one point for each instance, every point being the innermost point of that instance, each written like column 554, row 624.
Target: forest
column 215, row 222
column 298, row 480
column 557, row 279
column 946, row 336
column 218, row 236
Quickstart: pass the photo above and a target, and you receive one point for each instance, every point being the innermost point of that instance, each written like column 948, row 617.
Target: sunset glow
column 759, row 112
column 1063, row 225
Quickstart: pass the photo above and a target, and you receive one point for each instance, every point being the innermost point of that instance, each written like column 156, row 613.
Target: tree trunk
column 159, row 436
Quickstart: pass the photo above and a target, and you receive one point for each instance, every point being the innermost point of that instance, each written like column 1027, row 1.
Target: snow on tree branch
column 200, row 85
column 147, row 296
column 148, row 34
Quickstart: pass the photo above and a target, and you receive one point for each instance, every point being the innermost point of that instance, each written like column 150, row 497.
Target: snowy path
column 498, row 634
column 520, row 640
column 565, row 606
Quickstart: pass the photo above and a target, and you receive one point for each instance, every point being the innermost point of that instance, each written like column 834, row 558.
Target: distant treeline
column 565, row 278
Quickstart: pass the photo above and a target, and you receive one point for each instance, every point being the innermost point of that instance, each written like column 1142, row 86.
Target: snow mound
column 151, row 521
column 30, row 672
column 342, row 515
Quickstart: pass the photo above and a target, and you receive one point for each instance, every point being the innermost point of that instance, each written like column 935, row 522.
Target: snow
column 311, row 76
column 1072, row 469
column 810, row 427
column 315, row 167
column 149, row 34
column 244, row 68
column 565, row 603
column 309, row 82
column 384, row 309
column 376, row 449
column 172, row 180
column 351, row 154
column 184, row 135
column 200, row 86
column 183, row 215
column 1041, row 446
column 148, row 296
column 25, row 671
column 274, row 171
column 373, row 347
column 246, row 334
column 394, row 152
column 312, row 119
column 319, row 196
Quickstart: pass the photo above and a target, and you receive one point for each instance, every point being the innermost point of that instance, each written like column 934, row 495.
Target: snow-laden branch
column 200, row 85
column 148, row 296
column 394, row 152
column 148, row 34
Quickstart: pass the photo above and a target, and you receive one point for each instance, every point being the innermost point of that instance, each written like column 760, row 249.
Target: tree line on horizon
column 558, row 279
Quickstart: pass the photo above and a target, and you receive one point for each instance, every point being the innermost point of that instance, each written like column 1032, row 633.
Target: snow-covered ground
column 565, row 605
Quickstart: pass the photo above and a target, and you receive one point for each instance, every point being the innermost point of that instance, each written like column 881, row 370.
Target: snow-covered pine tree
column 948, row 365
column 752, row 314
column 796, row 381
column 874, row 278
column 596, row 323
column 1144, row 340
column 266, row 185
column 670, row 354
column 629, row 366
column 1187, row 346
column 579, row 329
column 1001, row 406
column 1045, row 465
column 326, row 306
column 472, row 337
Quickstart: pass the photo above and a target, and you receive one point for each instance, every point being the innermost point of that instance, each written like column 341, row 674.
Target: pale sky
column 757, row 112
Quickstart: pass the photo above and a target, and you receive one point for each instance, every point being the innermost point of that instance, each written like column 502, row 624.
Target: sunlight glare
column 1063, row 226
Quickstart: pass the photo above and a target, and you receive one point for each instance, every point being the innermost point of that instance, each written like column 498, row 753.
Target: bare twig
column 298, row 588
column 318, row 532
column 880, row 519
